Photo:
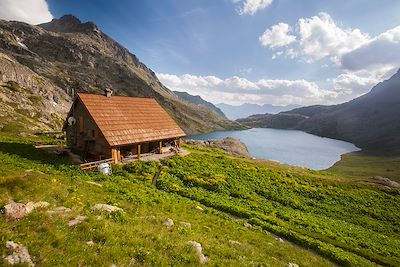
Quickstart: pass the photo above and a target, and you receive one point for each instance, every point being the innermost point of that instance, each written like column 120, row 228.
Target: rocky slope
column 70, row 56
column 370, row 121
column 197, row 100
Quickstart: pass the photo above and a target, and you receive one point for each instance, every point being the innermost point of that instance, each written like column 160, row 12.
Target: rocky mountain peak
column 70, row 23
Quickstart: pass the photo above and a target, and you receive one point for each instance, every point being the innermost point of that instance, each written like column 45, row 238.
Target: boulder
column 199, row 251
column 385, row 181
column 20, row 254
column 77, row 220
column 15, row 211
column 248, row 225
column 230, row 145
column 169, row 222
column 106, row 208
column 186, row 225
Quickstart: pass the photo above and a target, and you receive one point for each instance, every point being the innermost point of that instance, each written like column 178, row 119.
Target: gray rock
column 248, row 225
column 169, row 222
column 290, row 264
column 20, row 254
column 15, row 211
column 106, row 208
column 230, row 145
column 199, row 251
column 385, row 181
column 90, row 243
column 79, row 219
column 186, row 225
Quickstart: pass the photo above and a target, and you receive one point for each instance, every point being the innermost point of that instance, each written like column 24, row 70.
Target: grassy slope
column 31, row 175
column 366, row 164
column 354, row 224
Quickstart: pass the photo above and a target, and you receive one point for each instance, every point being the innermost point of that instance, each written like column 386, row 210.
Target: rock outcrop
column 230, row 145
column 16, row 211
column 199, row 251
column 20, row 254
column 106, row 208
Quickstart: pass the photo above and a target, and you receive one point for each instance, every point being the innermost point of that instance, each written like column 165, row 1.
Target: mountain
column 247, row 109
column 197, row 100
column 370, row 121
column 51, row 61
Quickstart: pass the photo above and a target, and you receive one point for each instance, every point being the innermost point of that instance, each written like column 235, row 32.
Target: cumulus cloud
column 238, row 90
column 315, row 38
column 277, row 36
column 29, row 11
column 250, row 7
column 381, row 51
column 320, row 37
column 351, row 84
column 363, row 60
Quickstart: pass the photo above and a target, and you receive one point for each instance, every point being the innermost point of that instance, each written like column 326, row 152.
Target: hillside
column 67, row 56
column 136, row 236
column 242, row 212
column 247, row 109
column 370, row 121
column 197, row 100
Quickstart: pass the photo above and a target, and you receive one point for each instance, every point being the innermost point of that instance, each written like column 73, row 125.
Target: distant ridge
column 371, row 121
column 197, row 100
column 247, row 109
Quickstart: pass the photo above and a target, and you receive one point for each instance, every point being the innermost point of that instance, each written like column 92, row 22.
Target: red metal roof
column 129, row 120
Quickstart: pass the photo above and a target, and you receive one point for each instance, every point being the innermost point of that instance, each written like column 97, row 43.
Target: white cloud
column 250, row 7
column 382, row 51
column 320, row 37
column 363, row 60
column 238, row 90
column 29, row 11
column 278, row 36
column 351, row 84
column 315, row 38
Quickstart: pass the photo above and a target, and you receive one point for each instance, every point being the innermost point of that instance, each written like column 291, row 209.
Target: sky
column 246, row 51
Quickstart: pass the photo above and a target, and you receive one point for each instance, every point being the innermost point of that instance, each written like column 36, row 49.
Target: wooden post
column 160, row 147
column 138, row 151
column 114, row 155
column 118, row 154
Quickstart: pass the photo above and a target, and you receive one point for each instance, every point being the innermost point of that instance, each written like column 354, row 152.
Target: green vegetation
column 13, row 86
column 36, row 100
column 120, row 238
column 367, row 164
column 352, row 224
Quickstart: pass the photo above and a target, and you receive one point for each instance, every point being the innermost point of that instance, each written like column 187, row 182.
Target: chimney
column 108, row 92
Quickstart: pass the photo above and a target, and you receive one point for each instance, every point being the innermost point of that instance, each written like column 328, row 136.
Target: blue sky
column 257, row 51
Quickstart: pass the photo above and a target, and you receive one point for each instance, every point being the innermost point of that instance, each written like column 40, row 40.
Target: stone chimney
column 108, row 92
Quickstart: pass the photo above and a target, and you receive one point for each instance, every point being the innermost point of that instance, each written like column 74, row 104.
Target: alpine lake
column 287, row 146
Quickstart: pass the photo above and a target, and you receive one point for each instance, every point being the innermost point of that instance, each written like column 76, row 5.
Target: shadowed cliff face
column 68, row 54
column 370, row 121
